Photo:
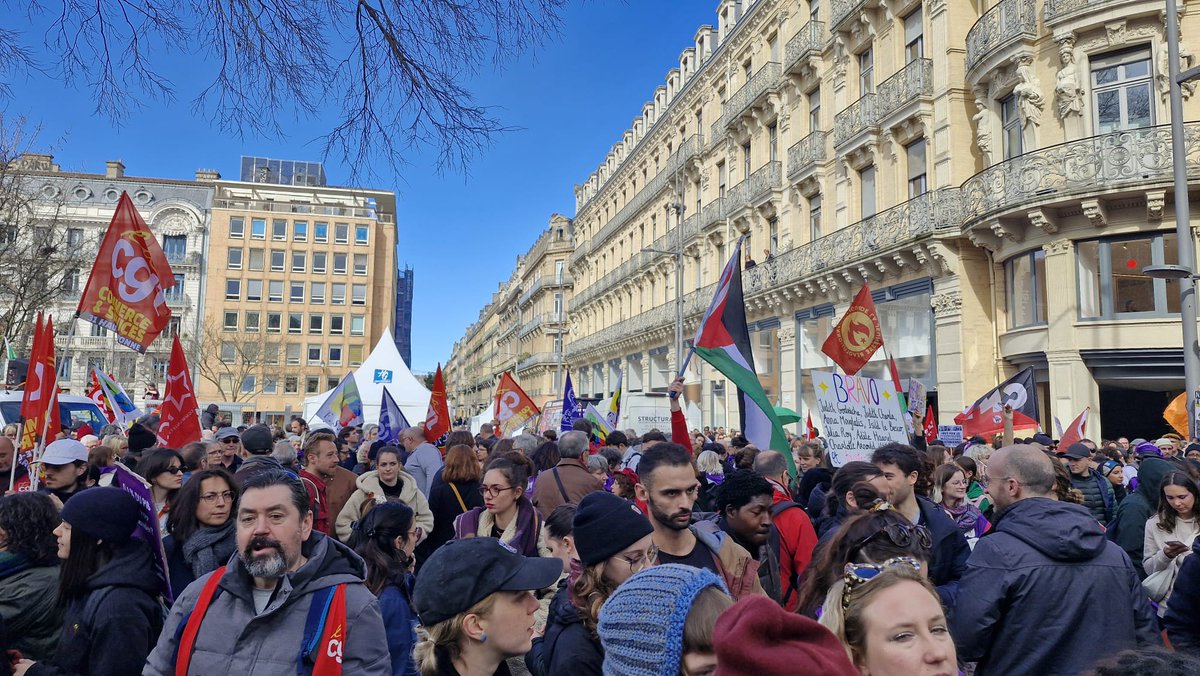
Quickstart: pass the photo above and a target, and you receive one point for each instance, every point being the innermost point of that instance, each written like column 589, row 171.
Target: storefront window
column 1111, row 283
column 1026, row 289
column 764, row 344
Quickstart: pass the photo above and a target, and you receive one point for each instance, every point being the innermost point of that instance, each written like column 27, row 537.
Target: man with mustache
column 292, row 597
column 668, row 486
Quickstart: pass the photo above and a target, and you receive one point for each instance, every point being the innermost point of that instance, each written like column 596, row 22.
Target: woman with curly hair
column 29, row 574
column 612, row 540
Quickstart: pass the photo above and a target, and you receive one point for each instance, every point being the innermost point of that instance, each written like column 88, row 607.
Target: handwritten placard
column 951, row 435
column 858, row 415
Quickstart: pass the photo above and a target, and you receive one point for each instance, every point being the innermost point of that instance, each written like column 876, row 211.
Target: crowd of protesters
column 690, row 552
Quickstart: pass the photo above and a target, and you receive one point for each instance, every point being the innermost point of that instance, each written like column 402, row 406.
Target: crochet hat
column 604, row 525
column 756, row 636
column 106, row 513
column 641, row 624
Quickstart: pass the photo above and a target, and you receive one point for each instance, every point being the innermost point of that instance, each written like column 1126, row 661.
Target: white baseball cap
column 64, row 452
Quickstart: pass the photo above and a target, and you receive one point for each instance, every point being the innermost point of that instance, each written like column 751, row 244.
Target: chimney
column 207, row 175
column 114, row 169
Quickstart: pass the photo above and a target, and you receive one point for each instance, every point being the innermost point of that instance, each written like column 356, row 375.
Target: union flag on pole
column 39, row 402
column 96, row 394
column 513, row 406
column 857, row 335
column 437, row 417
column 931, row 428
column 1076, row 431
column 180, row 422
column 125, row 292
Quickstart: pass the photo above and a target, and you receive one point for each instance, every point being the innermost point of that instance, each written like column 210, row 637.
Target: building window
column 1121, row 91
column 917, row 178
column 1026, row 276
column 358, row 294
column 914, row 36
column 295, row 322
column 773, row 235
column 312, row 385
column 316, row 324
column 866, row 72
column 292, row 354
column 772, row 143
column 319, row 259
column 337, row 294
column 258, row 228
column 814, row 110
column 341, row 233
column 270, row 385
column 300, row 231
column 316, row 295
column 314, row 355
column 296, row 293
column 299, row 260
column 279, row 229
column 337, row 325
column 355, row 354
column 173, row 326
column 271, row 354
column 358, row 325
column 275, row 291
column 722, row 179
column 1010, row 119
column 339, row 263
column 277, row 260
column 255, row 263
column 866, row 188
column 237, row 227
column 360, row 264
column 320, row 232
column 228, row 352
column 1111, row 283
column 174, row 246
column 361, row 233
column 235, row 259
column 291, row 384
column 248, row 384
column 252, row 322
column 233, row 289
column 746, row 160
column 254, row 289
column 231, row 321
column 814, row 10
column 335, row 355
column 274, row 322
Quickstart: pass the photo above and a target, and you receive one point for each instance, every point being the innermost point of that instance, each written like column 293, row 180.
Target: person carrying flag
column 292, row 600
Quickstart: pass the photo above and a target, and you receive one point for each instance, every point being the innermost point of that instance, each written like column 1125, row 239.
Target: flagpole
column 12, row 473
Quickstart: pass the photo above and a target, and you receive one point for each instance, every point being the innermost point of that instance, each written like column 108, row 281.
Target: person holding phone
column 1170, row 533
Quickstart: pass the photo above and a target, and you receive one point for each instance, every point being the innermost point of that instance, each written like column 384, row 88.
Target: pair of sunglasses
column 898, row 534
column 858, row 574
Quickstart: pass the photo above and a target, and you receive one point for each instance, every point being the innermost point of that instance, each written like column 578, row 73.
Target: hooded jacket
column 369, row 488
column 736, row 567
column 1040, row 577
column 29, row 606
column 567, row 646
column 111, row 628
column 233, row 639
column 1129, row 526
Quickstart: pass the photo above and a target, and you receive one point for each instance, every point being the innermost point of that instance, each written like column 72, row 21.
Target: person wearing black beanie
column 612, row 539
column 112, row 598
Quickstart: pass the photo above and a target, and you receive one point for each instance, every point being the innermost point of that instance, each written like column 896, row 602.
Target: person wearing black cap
column 613, row 541
column 258, row 442
column 1097, row 492
column 475, row 603
column 113, row 611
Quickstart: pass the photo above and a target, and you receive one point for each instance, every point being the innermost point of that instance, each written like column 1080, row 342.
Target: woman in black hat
column 385, row 539
column 114, row 612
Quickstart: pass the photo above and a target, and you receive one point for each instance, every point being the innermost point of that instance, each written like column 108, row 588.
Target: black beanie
column 258, row 440
column 140, row 438
column 604, row 525
column 106, row 513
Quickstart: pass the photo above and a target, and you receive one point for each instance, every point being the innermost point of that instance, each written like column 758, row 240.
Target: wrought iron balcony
column 859, row 117
column 751, row 94
column 539, row 358
column 806, row 153
column 910, row 83
column 545, row 282
column 1133, row 157
column 843, row 10
column 543, row 319
column 714, row 213
column 1057, row 10
column 999, row 27
column 769, row 177
column 808, row 42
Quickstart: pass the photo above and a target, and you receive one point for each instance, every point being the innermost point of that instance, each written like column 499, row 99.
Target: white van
column 72, row 408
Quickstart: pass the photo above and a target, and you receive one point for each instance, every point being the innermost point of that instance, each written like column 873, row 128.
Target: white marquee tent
column 383, row 368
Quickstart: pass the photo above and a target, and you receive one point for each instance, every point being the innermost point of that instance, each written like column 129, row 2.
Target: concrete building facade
column 402, row 332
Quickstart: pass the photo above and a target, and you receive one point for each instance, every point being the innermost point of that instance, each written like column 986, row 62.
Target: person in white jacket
column 386, row 483
column 1170, row 533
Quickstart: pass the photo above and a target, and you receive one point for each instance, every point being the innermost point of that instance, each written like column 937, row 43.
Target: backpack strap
column 562, row 490
column 189, row 626
column 457, row 495
column 793, row 582
column 314, row 627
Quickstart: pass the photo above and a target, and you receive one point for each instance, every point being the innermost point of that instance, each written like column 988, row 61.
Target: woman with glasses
column 388, row 482
column 949, row 491
column 201, row 530
column 872, row 536
column 385, row 539
column 163, row 469
column 506, row 514
column 612, row 541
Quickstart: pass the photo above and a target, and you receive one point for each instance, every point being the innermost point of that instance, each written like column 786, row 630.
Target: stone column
column 787, row 361
column 1072, row 386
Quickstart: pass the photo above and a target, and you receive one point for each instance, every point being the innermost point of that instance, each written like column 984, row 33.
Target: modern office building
column 402, row 331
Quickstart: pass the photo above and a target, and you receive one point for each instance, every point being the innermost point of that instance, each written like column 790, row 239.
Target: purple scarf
column 525, row 541
column 968, row 518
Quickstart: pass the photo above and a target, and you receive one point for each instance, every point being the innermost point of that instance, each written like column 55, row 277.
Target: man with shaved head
column 1043, row 577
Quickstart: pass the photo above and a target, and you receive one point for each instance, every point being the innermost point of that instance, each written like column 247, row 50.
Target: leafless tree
column 42, row 262
column 392, row 71
column 238, row 364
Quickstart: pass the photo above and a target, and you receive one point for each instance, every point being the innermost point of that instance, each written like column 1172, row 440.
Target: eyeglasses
column 899, row 535
column 640, row 563
column 858, row 574
column 230, row 440
column 486, row 490
column 211, row 498
column 416, row 533
column 173, row 469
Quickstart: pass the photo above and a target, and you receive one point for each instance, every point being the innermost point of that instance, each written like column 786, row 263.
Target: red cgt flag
column 931, row 430
column 96, row 394
column 437, row 419
column 856, row 336
column 513, row 406
column 125, row 292
column 1076, row 431
column 180, row 424
column 39, row 402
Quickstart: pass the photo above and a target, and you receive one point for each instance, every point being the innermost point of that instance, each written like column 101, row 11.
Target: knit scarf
column 965, row 515
column 12, row 563
column 210, row 547
column 525, row 527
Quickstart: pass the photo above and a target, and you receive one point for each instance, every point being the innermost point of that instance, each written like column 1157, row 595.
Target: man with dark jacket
column 258, row 442
column 1043, row 577
column 1098, row 496
column 1129, row 528
column 569, row 480
column 901, row 467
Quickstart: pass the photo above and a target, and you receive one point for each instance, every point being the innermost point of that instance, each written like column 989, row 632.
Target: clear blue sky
column 572, row 100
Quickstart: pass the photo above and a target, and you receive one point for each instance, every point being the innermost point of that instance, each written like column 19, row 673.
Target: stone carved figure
column 1067, row 86
column 1163, row 74
column 983, row 131
column 1029, row 93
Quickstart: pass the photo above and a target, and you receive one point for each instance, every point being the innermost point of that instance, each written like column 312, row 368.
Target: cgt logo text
column 334, row 649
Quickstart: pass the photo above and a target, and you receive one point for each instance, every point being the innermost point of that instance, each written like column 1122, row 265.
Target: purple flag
column 147, row 529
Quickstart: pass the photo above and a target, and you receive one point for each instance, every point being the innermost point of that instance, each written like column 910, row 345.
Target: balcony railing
column 857, row 118
column 539, row 358
column 1061, row 9
column 806, row 153
column 767, row 78
column 768, row 177
column 300, row 208
column 543, row 319
column 809, row 41
column 714, row 212
column 1000, row 25
column 1133, row 157
column 544, row 282
column 912, row 81
column 612, row 278
column 845, row 9
column 649, row 192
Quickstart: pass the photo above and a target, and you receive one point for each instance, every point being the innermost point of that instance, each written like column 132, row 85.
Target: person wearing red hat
column 755, row 635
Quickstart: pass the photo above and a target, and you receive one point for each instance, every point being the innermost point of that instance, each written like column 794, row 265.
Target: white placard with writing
column 858, row 415
column 951, row 435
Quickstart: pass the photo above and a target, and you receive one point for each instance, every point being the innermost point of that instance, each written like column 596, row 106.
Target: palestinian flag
column 723, row 341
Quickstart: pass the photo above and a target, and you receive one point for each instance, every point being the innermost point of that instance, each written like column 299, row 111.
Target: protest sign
column 147, row 529
column 858, row 415
column 918, row 397
column 951, row 435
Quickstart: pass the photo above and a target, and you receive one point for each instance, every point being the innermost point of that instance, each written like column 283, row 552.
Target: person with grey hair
column 598, row 466
column 526, row 444
column 1042, row 578
column 569, row 480
column 424, row 459
column 793, row 538
column 285, row 453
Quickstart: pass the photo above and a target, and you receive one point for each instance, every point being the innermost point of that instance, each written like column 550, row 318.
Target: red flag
column 39, row 403
column 31, row 402
column 810, row 432
column 513, row 406
column 96, row 394
column 930, row 425
column 125, row 290
column 1076, row 431
column 857, row 334
column 437, row 419
column 180, row 424
column 328, row 660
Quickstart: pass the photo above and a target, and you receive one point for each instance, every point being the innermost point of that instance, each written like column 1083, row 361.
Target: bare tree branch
column 227, row 360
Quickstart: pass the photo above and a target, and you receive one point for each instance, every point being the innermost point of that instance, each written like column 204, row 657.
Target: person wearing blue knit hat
column 661, row 621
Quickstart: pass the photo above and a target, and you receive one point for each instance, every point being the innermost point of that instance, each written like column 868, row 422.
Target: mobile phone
column 1174, row 543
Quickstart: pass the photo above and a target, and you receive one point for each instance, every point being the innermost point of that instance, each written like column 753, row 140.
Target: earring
column 483, row 638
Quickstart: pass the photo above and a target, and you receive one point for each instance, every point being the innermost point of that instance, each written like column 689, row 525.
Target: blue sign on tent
column 383, row 376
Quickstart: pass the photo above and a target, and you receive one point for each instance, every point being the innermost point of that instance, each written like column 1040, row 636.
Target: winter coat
column 111, row 628
column 576, row 482
column 29, row 606
column 423, row 464
column 794, row 539
column 948, row 557
column 1129, row 526
column 369, row 488
column 812, row 479
column 318, row 501
column 444, row 505
column 338, row 488
column 567, row 647
column 1098, row 496
column 736, row 567
column 478, row 522
column 234, row 639
column 400, row 621
column 208, row 419
column 1156, row 559
column 1040, row 577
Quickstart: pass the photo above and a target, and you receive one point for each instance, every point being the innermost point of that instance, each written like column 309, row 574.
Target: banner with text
column 858, row 415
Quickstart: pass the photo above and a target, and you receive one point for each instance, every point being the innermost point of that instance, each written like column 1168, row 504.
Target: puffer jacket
column 369, row 488
column 110, row 629
column 29, row 606
column 234, row 639
column 1129, row 526
column 567, row 646
column 1043, row 573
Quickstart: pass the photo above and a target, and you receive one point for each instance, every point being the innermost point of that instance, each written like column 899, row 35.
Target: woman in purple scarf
column 950, row 493
column 506, row 513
